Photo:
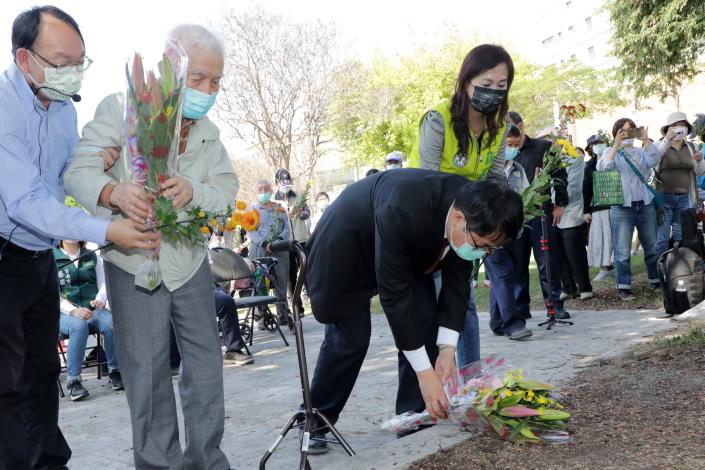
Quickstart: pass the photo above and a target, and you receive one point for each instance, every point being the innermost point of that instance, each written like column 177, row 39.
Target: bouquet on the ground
column 515, row 408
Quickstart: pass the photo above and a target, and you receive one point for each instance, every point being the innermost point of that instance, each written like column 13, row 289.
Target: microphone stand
column 309, row 416
column 550, row 307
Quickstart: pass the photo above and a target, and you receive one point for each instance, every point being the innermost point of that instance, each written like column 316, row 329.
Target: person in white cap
column 393, row 160
column 676, row 177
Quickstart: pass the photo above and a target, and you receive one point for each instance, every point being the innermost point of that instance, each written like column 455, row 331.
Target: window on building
column 591, row 52
column 548, row 41
column 568, row 3
column 571, row 29
column 588, row 23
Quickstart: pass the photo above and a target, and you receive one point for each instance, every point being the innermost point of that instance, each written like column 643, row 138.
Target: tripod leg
column 335, row 432
column 280, row 438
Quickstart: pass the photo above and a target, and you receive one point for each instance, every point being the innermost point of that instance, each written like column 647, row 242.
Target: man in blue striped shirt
column 37, row 135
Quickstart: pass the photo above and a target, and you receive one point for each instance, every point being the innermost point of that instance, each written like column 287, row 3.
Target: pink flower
column 518, row 411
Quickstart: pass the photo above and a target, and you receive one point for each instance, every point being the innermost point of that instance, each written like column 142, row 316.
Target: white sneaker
column 633, row 252
column 586, row 295
column 565, row 296
column 602, row 275
column 473, row 284
column 487, row 283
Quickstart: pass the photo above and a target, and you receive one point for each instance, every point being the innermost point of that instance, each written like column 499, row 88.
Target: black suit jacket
column 379, row 235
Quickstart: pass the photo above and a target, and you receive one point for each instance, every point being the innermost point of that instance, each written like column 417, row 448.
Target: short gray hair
column 263, row 182
column 195, row 35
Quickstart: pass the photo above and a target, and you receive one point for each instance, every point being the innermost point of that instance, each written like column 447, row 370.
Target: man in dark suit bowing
column 388, row 234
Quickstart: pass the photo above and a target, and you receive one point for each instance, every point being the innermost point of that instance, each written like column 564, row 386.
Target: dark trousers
column 572, row 241
column 344, row 348
column 532, row 241
column 226, row 311
column 502, row 266
column 29, row 398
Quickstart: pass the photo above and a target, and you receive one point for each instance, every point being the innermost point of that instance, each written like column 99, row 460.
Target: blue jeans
column 469, row 340
column 673, row 205
column 502, row 266
column 78, row 330
column 624, row 219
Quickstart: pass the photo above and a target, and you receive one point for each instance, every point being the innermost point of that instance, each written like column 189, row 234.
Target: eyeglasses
column 66, row 68
column 488, row 249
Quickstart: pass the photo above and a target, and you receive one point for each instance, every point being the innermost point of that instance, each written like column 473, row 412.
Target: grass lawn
column 605, row 292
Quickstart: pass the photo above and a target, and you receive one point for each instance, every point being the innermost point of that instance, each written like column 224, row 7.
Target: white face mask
column 393, row 166
column 285, row 188
column 680, row 131
column 628, row 143
column 60, row 83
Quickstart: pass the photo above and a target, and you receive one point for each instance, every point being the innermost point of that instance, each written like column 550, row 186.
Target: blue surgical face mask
column 264, row 197
column 510, row 153
column 598, row 149
column 466, row 251
column 196, row 103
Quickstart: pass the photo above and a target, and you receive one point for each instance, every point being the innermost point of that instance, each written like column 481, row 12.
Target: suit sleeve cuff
column 447, row 336
column 418, row 358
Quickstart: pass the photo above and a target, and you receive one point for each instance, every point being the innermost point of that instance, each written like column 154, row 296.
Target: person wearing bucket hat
column 676, row 177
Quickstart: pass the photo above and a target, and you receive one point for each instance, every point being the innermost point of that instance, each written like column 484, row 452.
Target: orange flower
column 237, row 218
column 204, row 230
column 214, row 223
column 230, row 225
column 240, row 205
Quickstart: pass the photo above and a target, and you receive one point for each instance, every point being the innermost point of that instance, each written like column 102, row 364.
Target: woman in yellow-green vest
column 466, row 135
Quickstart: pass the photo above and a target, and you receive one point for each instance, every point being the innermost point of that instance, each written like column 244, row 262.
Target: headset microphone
column 75, row 97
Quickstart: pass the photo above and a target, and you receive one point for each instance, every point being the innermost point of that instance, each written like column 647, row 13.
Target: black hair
column 478, row 60
column 513, row 131
column 515, row 118
column 371, row 172
column 491, row 207
column 322, row 194
column 619, row 124
column 25, row 28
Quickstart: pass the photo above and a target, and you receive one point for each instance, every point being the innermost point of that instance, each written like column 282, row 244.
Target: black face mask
column 487, row 100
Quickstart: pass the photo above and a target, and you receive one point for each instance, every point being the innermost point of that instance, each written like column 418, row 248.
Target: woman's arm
column 431, row 141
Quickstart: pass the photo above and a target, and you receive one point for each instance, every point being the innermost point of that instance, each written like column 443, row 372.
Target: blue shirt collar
column 24, row 91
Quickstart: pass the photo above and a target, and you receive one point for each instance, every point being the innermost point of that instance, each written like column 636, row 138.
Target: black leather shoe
column 562, row 315
column 316, row 445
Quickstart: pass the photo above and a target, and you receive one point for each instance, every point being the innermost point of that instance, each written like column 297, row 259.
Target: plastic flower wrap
column 152, row 126
column 488, row 399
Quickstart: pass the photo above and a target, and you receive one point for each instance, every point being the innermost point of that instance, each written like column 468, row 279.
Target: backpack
column 683, row 262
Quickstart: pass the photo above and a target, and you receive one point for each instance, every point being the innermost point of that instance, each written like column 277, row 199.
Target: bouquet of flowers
column 515, row 408
column 241, row 217
column 303, row 196
column 539, row 191
column 152, row 127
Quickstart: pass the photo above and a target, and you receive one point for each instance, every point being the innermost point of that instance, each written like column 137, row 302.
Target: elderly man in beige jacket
column 205, row 178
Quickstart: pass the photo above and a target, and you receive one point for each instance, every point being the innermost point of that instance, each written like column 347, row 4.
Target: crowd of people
column 414, row 236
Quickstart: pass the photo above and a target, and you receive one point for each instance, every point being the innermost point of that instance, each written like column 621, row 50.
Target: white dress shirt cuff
column 447, row 336
column 418, row 358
